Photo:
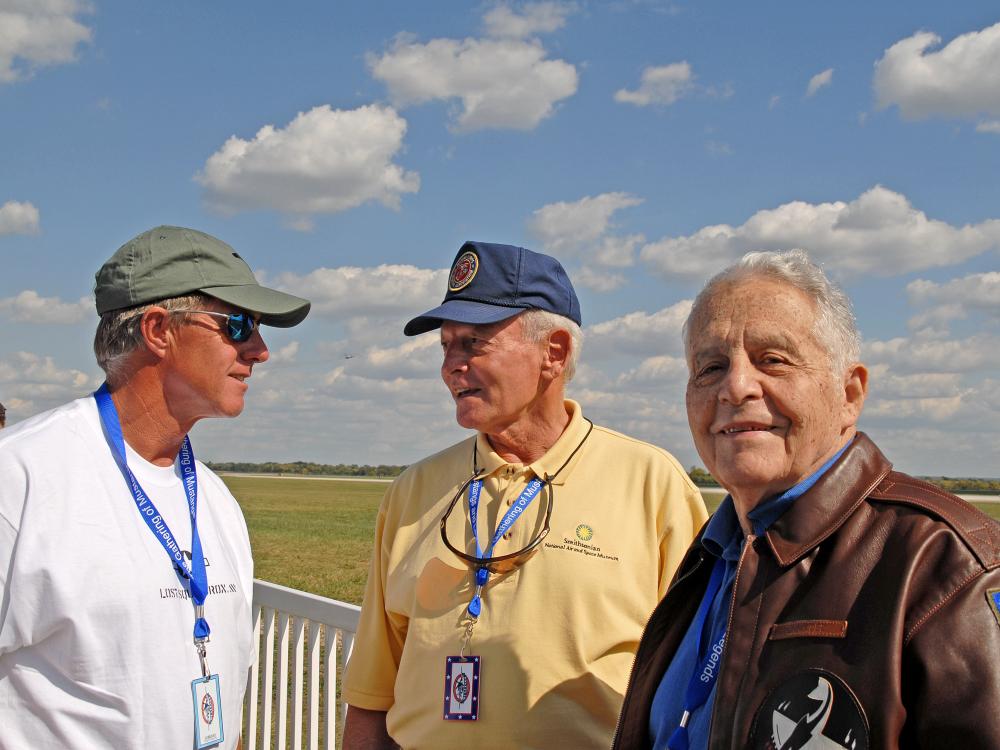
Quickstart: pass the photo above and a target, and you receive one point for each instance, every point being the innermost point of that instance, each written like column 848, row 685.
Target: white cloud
column 418, row 357
column 962, row 79
column 570, row 228
column 351, row 292
column 36, row 33
column 878, row 233
column 29, row 307
column 18, row 218
column 664, row 84
column 32, row 383
column 979, row 352
column 639, row 333
column 324, row 161
column 580, row 230
column 598, row 280
column 952, row 300
column 533, row 18
column 988, row 126
column 655, row 373
column 979, row 291
column 819, row 81
column 285, row 354
column 501, row 83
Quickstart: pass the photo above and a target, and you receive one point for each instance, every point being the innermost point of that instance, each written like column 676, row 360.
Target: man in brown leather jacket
column 831, row 602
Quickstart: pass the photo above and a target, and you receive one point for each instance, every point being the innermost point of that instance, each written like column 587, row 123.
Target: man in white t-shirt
column 125, row 569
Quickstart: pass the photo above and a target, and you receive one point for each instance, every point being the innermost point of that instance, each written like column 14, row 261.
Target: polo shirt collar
column 554, row 458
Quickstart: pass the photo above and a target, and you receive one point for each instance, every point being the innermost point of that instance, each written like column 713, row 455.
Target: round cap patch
column 814, row 710
column 464, row 271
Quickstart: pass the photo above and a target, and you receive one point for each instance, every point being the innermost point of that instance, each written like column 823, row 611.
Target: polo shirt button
column 510, row 501
column 507, row 535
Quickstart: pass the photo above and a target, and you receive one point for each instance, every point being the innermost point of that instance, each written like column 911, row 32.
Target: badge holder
column 461, row 681
column 207, row 697
column 461, row 688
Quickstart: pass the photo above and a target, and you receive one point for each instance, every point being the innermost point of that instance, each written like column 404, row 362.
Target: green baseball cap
column 173, row 261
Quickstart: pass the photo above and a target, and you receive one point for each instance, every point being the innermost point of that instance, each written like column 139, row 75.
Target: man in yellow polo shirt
column 513, row 572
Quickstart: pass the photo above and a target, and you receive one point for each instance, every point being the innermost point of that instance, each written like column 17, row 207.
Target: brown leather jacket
column 862, row 618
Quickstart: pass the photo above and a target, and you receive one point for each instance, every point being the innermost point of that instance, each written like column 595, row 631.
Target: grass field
column 316, row 535
column 310, row 534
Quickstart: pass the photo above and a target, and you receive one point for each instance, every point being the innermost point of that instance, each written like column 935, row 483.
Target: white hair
column 536, row 325
column 835, row 328
column 118, row 334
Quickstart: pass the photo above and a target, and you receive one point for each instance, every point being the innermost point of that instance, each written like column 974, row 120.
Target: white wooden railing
column 322, row 637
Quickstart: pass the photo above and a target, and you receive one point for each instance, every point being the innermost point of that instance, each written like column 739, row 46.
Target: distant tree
column 701, row 477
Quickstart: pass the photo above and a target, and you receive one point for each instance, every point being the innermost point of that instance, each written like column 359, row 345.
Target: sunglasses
column 500, row 564
column 239, row 326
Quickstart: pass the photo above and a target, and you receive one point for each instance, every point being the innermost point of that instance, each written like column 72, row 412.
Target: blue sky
column 348, row 149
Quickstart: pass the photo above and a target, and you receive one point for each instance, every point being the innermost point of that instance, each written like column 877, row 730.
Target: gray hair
column 536, row 325
column 118, row 334
column 835, row 328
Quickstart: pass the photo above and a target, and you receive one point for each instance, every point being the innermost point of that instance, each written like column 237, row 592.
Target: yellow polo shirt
column 556, row 636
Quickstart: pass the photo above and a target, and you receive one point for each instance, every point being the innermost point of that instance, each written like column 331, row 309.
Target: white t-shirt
column 96, row 627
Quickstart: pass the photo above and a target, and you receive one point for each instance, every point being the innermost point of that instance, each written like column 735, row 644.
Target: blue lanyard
column 707, row 666
column 196, row 575
column 510, row 517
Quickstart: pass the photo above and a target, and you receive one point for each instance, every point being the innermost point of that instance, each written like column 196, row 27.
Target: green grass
column 316, row 535
column 309, row 534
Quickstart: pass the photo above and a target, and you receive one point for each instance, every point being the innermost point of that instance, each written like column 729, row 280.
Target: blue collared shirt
column 723, row 539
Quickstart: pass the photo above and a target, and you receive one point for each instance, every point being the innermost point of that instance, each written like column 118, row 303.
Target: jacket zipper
column 748, row 542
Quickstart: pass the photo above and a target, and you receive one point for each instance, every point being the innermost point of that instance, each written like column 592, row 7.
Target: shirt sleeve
column 370, row 679
column 13, row 494
column 685, row 515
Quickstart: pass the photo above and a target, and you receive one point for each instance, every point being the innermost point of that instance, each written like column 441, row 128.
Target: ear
column 855, row 390
column 156, row 330
column 557, row 352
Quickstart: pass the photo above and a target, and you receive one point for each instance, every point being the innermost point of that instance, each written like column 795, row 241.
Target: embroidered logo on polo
column 464, row 271
column 814, row 710
column 993, row 597
column 581, row 541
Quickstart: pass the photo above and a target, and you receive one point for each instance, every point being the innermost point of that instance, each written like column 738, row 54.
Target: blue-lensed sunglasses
column 239, row 326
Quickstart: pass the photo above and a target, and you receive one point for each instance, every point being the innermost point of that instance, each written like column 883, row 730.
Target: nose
column 740, row 382
column 254, row 349
column 454, row 360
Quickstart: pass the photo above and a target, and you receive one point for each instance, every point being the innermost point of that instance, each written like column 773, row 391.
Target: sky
column 348, row 149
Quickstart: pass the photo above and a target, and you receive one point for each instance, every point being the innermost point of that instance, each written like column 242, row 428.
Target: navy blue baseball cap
column 490, row 282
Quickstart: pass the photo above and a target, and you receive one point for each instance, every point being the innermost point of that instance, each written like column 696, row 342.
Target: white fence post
column 291, row 611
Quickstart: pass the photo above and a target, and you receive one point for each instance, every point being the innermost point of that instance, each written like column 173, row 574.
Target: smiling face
column 493, row 374
column 207, row 371
column 764, row 406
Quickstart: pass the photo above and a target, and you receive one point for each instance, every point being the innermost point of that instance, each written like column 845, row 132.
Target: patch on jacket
column 993, row 597
column 813, row 710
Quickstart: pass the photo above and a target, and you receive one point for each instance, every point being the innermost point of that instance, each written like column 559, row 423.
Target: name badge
column 207, row 712
column 461, row 688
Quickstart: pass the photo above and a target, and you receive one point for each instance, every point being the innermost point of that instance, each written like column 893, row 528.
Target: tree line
column 698, row 475
column 307, row 468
